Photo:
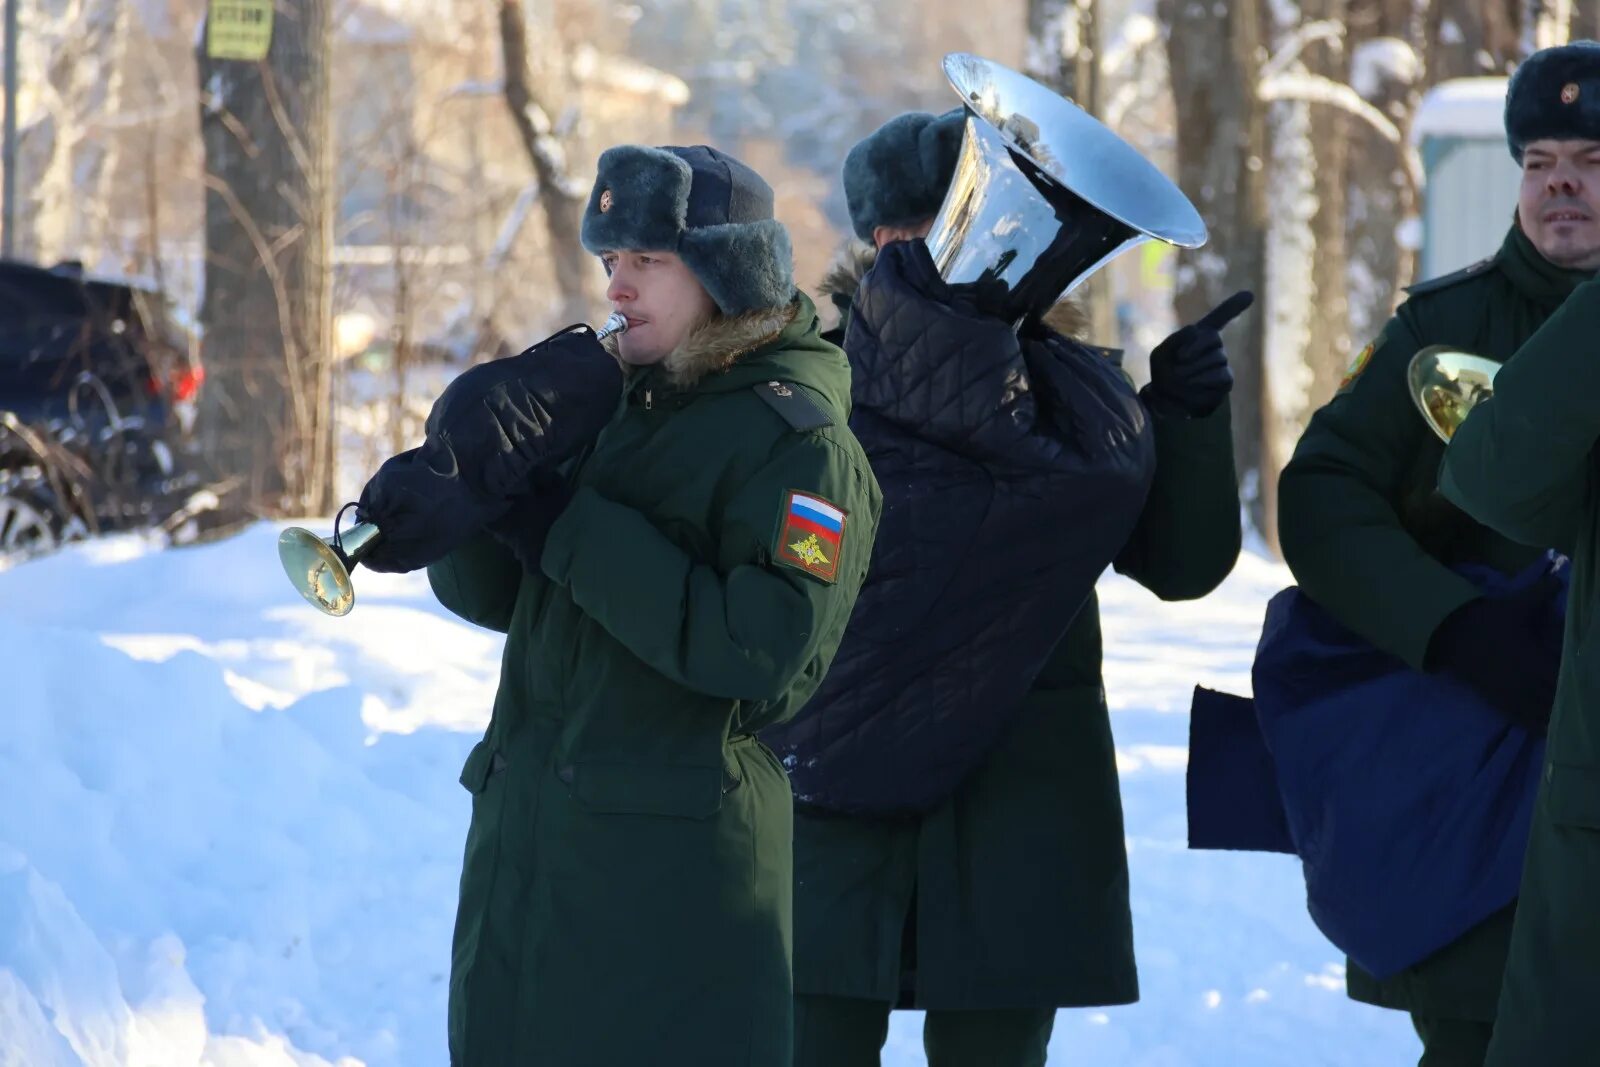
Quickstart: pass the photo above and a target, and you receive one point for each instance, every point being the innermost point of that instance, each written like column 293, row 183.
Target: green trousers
column 1452, row 1042
column 845, row 1032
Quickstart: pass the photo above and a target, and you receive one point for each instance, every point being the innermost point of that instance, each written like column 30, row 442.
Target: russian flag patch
column 811, row 536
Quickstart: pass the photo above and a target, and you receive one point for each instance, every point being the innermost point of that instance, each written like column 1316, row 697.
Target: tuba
column 1446, row 384
column 1043, row 195
column 319, row 567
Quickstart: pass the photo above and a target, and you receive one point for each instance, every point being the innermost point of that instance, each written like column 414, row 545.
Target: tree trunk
column 561, row 196
column 1383, row 191
column 267, row 408
column 1468, row 38
column 1548, row 22
column 1586, row 20
column 1214, row 54
column 1328, row 338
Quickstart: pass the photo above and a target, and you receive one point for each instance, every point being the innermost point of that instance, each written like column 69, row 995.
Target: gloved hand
column 1189, row 375
column 420, row 513
column 525, row 528
column 1508, row 649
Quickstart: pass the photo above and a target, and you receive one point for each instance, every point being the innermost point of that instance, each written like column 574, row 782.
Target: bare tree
column 1547, row 22
column 562, row 197
column 1382, row 173
column 1464, row 38
column 267, row 411
column 65, row 152
column 1585, row 20
column 1309, row 74
column 1215, row 57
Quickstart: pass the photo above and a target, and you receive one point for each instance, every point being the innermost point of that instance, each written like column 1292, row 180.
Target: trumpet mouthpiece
column 617, row 323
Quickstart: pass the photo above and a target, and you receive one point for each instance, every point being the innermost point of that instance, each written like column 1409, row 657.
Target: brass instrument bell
column 1446, row 384
column 1043, row 195
column 319, row 567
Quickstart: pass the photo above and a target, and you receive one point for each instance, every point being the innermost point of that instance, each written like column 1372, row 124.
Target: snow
column 1380, row 61
column 1462, row 107
column 1136, row 32
column 230, row 829
column 1314, row 88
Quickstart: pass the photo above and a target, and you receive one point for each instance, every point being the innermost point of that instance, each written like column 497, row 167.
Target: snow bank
column 230, row 829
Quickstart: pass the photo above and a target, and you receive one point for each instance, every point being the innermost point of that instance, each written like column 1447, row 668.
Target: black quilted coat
column 1013, row 471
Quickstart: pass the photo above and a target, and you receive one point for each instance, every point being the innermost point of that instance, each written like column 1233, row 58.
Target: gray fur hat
column 709, row 208
column 1554, row 94
column 900, row 172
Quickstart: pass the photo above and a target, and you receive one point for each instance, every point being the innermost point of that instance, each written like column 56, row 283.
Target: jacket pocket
column 679, row 791
column 483, row 763
column 1574, row 795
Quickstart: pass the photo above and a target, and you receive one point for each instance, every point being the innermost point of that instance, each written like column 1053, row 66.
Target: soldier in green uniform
column 1009, row 899
column 626, row 893
column 1369, row 536
column 1524, row 463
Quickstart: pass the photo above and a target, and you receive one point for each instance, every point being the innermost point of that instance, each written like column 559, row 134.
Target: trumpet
column 319, row 567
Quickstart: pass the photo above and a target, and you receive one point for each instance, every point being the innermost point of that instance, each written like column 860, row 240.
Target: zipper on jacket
column 648, row 400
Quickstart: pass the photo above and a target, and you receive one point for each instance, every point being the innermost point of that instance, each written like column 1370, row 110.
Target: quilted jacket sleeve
column 925, row 360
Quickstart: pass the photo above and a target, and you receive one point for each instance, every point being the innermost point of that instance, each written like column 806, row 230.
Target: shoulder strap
column 1444, row 281
column 791, row 401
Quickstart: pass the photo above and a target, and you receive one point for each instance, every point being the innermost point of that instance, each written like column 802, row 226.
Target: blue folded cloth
column 1406, row 797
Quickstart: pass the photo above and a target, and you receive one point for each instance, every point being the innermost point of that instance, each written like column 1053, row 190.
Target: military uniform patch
column 811, row 536
column 1362, row 359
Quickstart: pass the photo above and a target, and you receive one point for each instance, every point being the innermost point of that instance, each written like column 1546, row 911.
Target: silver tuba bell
column 1043, row 195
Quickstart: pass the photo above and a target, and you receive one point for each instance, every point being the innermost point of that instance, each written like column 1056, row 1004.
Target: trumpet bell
column 1446, row 384
column 320, row 569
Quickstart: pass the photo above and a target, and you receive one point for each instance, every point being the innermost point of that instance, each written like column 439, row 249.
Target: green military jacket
column 1525, row 463
column 626, row 893
column 1369, row 537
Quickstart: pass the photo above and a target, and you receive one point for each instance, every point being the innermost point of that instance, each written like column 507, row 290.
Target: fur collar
column 848, row 266
column 1069, row 318
column 855, row 257
column 719, row 343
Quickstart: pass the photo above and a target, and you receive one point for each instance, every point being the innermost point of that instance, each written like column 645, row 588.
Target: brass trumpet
column 319, row 567
column 1446, row 384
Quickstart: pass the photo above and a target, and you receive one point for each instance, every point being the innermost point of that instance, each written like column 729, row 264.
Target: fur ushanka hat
column 707, row 207
column 898, row 174
column 1554, row 94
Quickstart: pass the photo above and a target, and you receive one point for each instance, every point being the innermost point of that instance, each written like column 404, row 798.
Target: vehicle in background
column 98, row 393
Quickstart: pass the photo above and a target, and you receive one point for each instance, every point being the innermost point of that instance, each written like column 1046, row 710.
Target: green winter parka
column 626, row 891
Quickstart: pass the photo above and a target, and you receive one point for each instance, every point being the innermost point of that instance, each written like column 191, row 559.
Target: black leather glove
column 1508, row 649
column 420, row 513
column 525, row 528
column 1189, row 375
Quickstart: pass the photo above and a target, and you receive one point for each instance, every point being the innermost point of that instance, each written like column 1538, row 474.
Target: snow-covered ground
column 230, row 829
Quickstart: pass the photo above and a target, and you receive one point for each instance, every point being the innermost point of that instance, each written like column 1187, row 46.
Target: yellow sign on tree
column 239, row 29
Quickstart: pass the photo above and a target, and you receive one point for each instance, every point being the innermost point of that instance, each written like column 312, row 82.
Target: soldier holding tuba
column 958, row 829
